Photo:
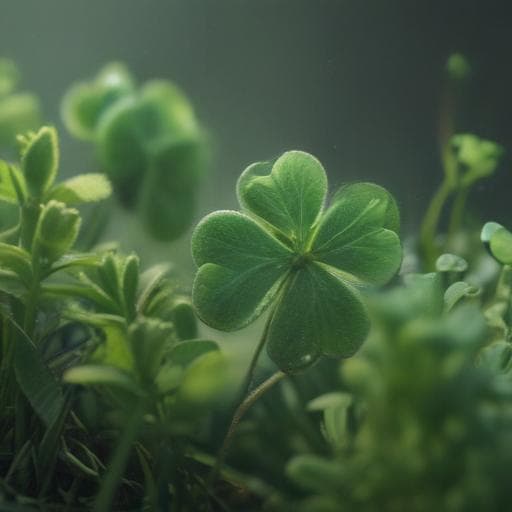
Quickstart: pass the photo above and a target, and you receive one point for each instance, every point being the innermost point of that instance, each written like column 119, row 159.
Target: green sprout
column 285, row 250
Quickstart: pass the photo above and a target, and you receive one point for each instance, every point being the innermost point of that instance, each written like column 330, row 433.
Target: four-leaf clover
column 285, row 250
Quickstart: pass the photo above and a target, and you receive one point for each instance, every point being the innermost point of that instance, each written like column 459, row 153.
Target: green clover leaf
column 285, row 249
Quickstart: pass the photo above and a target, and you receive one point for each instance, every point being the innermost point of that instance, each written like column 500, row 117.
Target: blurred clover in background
column 148, row 141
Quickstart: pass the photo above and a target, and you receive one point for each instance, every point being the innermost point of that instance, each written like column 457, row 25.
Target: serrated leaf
column 85, row 188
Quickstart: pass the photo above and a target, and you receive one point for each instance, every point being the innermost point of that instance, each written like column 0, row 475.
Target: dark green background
column 355, row 82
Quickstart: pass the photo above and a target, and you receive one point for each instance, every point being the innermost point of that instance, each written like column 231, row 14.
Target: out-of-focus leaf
column 101, row 375
column 85, row 188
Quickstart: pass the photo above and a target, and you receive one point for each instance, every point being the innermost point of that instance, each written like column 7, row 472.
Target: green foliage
column 112, row 399
column 284, row 247
column 148, row 141
column 426, row 428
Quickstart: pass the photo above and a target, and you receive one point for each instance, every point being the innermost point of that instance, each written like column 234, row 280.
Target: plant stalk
column 120, row 459
column 431, row 222
column 457, row 214
column 248, row 402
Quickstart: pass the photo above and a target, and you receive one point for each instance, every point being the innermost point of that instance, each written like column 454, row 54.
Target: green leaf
column 288, row 195
column 315, row 473
column 328, row 400
column 332, row 320
column 182, row 354
column 101, row 375
column 56, row 230
column 241, row 268
column 148, row 340
column 151, row 281
column 184, row 319
column 12, row 183
column 121, row 148
column 11, row 284
column 488, row 230
column 85, row 188
column 76, row 260
column 130, row 282
column 40, row 160
column 85, row 103
column 458, row 291
column 357, row 234
column 36, row 381
column 501, row 246
column 167, row 196
column 203, row 380
column 116, row 350
column 17, row 260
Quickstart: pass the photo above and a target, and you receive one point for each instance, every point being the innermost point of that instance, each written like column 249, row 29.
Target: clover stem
column 249, row 375
column 244, row 406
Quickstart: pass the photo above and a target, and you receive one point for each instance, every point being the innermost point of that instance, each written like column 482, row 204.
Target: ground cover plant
column 382, row 375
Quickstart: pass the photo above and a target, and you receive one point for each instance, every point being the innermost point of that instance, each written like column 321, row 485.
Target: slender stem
column 120, row 459
column 431, row 222
column 457, row 214
column 251, row 398
column 249, row 376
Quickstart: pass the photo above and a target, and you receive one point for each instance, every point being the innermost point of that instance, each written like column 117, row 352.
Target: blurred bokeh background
column 356, row 83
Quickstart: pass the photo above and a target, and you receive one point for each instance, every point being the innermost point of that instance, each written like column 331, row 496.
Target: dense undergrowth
column 370, row 399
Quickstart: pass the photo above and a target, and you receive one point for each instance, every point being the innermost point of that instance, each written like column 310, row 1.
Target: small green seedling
column 284, row 249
